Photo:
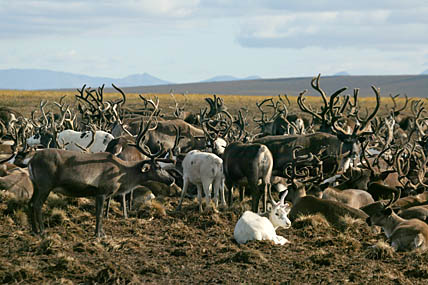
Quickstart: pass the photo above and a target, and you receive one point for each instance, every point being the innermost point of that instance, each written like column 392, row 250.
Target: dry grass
column 26, row 101
column 380, row 250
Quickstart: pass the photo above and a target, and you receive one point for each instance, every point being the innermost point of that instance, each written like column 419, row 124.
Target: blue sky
column 192, row 40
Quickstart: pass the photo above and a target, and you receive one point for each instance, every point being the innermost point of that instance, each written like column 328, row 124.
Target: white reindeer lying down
column 252, row 226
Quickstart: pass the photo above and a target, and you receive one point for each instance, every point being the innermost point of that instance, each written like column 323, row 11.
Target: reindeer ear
column 269, row 207
column 145, row 167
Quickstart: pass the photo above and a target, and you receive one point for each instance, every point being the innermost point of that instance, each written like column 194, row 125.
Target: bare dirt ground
column 160, row 246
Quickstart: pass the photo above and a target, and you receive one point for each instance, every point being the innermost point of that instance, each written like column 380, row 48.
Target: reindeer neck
column 391, row 223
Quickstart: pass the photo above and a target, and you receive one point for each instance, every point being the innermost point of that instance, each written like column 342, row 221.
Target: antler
column 329, row 107
column 396, row 111
column 144, row 129
column 364, row 122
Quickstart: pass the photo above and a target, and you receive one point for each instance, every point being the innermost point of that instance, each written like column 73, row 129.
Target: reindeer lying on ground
column 416, row 212
column 252, row 226
column 403, row 234
column 354, row 198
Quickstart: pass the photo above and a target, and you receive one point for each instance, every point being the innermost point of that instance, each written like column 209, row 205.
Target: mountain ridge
column 37, row 79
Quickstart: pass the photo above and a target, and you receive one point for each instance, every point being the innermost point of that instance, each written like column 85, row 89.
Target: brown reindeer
column 403, row 234
column 99, row 175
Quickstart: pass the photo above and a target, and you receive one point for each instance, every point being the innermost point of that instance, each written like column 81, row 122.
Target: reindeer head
column 278, row 212
column 379, row 212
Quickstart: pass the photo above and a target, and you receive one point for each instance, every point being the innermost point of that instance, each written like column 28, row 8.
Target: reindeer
column 280, row 123
column 9, row 117
column 124, row 149
column 415, row 212
column 205, row 170
column 333, row 211
column 341, row 144
column 17, row 181
column 252, row 226
column 404, row 234
column 354, row 198
column 251, row 165
column 99, row 175
column 95, row 110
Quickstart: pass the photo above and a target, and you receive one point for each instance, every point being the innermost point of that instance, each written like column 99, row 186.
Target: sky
column 193, row 40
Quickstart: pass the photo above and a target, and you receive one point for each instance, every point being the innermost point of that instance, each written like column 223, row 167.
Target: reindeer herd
column 336, row 159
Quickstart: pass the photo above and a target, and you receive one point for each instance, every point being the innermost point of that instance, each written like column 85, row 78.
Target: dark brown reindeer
column 342, row 142
column 249, row 165
column 99, row 175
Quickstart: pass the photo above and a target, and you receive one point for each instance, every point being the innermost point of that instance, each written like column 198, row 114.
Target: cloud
column 381, row 29
column 52, row 17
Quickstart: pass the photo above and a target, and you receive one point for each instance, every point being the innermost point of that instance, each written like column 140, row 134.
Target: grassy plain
column 26, row 101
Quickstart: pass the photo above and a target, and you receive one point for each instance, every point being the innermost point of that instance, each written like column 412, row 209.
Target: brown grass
column 26, row 101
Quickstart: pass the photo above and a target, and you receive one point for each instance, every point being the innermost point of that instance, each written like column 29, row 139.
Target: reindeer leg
column 99, row 203
column 229, row 187
column 125, row 213
column 107, row 208
column 241, row 193
column 130, row 199
column 35, row 206
column 215, row 186
column 222, row 197
column 255, row 194
column 264, row 187
column 200, row 197
column 183, row 192
column 208, row 188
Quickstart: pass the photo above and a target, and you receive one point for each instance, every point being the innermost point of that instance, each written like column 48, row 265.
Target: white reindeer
column 71, row 140
column 252, row 226
column 205, row 170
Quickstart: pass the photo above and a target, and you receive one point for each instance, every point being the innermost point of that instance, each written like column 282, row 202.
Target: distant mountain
column 32, row 79
column 412, row 85
column 221, row 78
column 147, row 79
column 341, row 73
column 425, row 72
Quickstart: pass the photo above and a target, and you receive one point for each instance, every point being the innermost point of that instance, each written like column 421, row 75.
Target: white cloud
column 332, row 29
column 33, row 18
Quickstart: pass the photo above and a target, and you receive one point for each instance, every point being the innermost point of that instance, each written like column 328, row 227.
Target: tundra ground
column 158, row 245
